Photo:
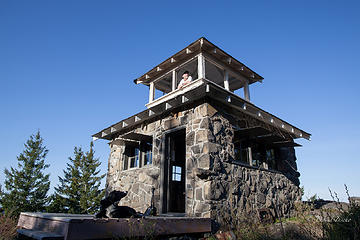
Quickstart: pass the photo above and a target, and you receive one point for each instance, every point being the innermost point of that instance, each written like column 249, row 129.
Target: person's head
column 185, row 75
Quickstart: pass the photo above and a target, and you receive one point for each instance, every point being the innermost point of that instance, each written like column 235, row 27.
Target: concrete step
column 39, row 235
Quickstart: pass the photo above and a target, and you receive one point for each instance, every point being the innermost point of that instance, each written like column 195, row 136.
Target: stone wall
column 139, row 181
column 215, row 186
column 238, row 191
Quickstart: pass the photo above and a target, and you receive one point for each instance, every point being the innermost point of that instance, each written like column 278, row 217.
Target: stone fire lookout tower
column 205, row 147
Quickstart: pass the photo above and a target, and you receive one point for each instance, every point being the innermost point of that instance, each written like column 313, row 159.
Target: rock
column 201, row 136
column 217, row 127
column 203, row 173
column 198, row 194
column 204, row 161
column 261, row 198
column 190, row 139
column 195, row 149
column 204, row 123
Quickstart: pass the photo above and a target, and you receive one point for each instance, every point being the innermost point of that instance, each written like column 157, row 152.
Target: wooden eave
column 200, row 45
column 204, row 89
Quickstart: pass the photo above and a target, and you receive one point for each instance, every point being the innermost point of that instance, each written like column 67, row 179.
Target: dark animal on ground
column 109, row 207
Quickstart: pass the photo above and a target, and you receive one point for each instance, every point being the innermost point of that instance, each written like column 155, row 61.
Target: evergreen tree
column 26, row 187
column 90, row 194
column 78, row 191
column 67, row 195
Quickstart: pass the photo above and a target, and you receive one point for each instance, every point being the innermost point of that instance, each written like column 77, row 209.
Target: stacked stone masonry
column 215, row 186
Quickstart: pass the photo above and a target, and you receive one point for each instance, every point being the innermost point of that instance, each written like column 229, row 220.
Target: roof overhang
column 197, row 90
column 200, row 45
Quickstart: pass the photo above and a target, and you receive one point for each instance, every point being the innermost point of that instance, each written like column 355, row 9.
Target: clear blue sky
column 67, row 68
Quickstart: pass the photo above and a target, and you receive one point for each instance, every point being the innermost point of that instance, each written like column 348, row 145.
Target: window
column 241, row 152
column 126, row 163
column 137, row 154
column 257, row 151
column 147, row 153
column 134, row 160
column 132, row 157
column 271, row 158
column 176, row 173
column 191, row 67
column 214, row 73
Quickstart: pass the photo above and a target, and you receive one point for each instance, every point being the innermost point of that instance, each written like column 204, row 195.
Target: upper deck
column 203, row 60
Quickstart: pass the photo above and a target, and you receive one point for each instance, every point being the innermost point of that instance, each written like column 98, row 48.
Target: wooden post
column 173, row 80
column 250, row 156
column 151, row 92
column 247, row 91
column 226, row 80
column 201, row 66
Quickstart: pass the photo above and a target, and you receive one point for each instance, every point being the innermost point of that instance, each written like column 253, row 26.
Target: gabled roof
column 200, row 45
column 199, row 89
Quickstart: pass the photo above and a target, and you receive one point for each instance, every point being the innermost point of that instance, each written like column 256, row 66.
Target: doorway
column 174, row 169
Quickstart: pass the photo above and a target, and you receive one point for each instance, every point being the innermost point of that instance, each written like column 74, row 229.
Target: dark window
column 257, row 151
column 126, row 163
column 132, row 157
column 271, row 158
column 241, row 152
column 147, row 153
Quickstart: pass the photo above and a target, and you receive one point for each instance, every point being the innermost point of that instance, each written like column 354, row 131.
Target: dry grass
column 8, row 227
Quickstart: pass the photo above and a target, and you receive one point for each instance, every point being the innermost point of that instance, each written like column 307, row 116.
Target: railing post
column 173, row 80
column 201, row 66
column 226, row 80
column 151, row 92
column 247, row 91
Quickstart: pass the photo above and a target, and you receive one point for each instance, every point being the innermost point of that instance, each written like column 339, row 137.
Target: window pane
column 241, row 152
column 137, row 157
column 176, row 177
column 126, row 163
column 271, row 159
column 191, row 67
column 214, row 73
column 257, row 156
column 147, row 153
column 133, row 154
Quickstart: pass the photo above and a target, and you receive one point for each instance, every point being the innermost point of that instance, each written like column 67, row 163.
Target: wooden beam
column 247, row 91
column 151, row 92
column 173, row 86
column 167, row 106
column 250, row 156
column 201, row 66
column 226, row 80
column 222, row 66
column 184, row 99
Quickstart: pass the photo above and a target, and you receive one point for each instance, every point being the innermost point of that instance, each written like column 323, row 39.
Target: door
column 176, row 151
